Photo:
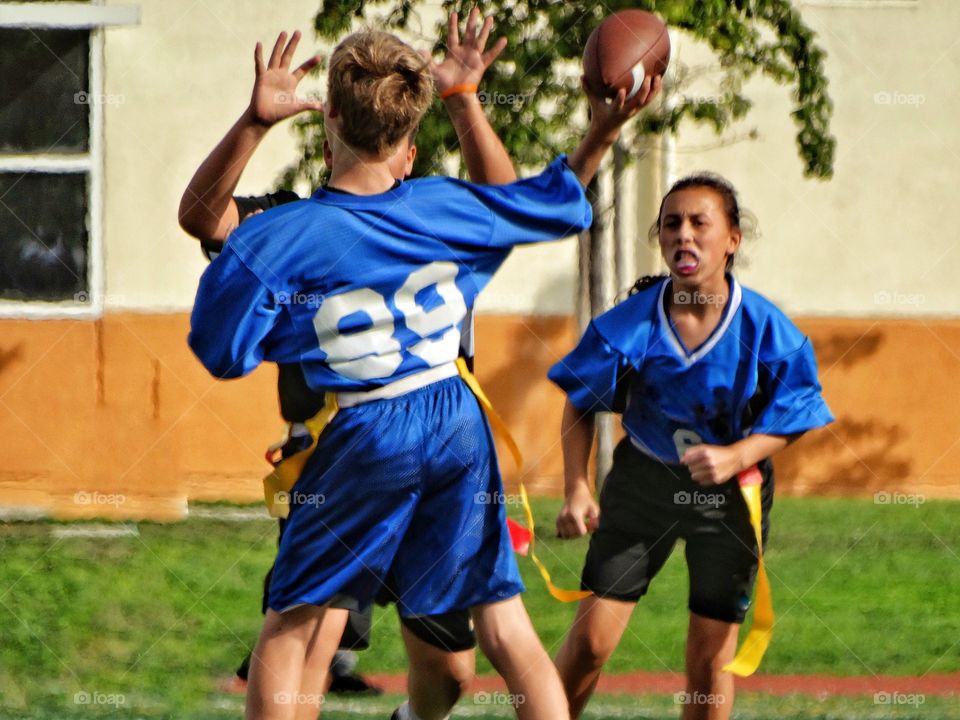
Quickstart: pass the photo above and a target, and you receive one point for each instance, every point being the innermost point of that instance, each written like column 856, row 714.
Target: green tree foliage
column 533, row 93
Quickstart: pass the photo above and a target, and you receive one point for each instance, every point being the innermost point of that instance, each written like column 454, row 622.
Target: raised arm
column 207, row 209
column 462, row 68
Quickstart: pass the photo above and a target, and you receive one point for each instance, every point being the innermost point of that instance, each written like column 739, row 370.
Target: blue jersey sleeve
column 232, row 315
column 545, row 207
column 589, row 374
column 795, row 401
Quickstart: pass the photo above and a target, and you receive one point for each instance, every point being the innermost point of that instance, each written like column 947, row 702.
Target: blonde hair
column 381, row 87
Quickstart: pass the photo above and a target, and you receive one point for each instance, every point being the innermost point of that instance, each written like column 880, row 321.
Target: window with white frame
column 51, row 118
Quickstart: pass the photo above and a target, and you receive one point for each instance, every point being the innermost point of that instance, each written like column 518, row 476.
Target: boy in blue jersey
column 441, row 645
column 711, row 378
column 366, row 285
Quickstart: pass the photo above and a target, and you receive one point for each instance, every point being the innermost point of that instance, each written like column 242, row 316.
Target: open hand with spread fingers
column 274, row 95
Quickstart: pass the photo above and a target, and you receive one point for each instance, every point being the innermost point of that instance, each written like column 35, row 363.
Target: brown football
column 626, row 47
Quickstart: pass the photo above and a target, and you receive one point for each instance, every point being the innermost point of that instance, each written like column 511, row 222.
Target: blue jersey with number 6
column 365, row 289
column 755, row 374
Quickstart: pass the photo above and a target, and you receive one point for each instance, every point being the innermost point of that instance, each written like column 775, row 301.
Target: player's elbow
column 218, row 363
column 225, row 370
column 189, row 219
column 196, row 220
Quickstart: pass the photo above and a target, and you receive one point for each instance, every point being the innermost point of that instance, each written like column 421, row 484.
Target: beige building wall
column 871, row 242
column 866, row 243
column 185, row 74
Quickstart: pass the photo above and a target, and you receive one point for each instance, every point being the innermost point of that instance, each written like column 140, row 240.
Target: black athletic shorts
column 451, row 631
column 646, row 506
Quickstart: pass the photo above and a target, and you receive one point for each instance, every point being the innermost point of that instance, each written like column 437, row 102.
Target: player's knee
column 461, row 669
column 703, row 666
column 504, row 647
column 706, row 658
column 588, row 650
column 504, row 628
column 453, row 672
column 458, row 683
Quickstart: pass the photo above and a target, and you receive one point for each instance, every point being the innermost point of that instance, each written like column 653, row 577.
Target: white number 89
column 374, row 352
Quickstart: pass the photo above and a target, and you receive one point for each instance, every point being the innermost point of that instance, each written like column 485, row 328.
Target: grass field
column 144, row 624
column 642, row 707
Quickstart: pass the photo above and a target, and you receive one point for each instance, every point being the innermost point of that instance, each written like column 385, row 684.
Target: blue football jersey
column 363, row 290
column 756, row 373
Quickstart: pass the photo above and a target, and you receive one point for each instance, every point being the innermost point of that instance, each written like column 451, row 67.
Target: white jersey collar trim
column 736, row 297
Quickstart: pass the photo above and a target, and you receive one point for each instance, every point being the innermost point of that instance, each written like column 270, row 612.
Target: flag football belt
column 286, row 471
column 500, row 428
column 398, row 387
column 278, row 484
column 755, row 645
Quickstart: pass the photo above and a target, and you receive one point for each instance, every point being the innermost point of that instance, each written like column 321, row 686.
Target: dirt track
column 668, row 683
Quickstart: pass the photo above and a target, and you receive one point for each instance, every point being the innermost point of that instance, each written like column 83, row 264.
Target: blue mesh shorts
column 400, row 491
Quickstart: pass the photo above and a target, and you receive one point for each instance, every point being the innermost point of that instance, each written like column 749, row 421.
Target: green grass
column 859, row 589
column 160, row 617
column 750, row 706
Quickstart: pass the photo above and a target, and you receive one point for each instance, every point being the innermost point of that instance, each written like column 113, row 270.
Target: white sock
column 405, row 712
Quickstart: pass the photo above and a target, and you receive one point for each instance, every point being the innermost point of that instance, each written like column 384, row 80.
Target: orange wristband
column 457, row 89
